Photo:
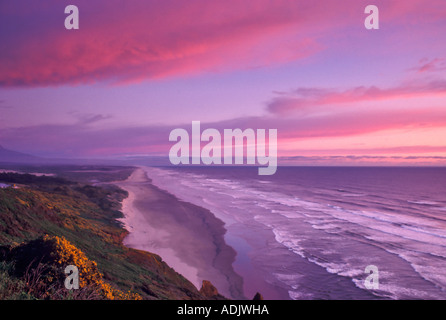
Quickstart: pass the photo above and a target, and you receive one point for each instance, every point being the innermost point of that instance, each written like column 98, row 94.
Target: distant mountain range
column 9, row 156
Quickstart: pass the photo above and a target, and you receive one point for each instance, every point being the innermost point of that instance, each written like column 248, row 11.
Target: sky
column 135, row 70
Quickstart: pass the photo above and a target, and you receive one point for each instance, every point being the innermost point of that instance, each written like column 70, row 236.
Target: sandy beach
column 187, row 237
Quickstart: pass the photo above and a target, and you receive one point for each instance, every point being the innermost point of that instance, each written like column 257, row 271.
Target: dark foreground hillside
column 50, row 223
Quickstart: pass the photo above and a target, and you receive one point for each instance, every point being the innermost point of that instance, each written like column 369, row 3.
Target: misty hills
column 9, row 156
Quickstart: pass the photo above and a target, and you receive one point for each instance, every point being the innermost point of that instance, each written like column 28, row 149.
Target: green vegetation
column 32, row 179
column 47, row 211
column 76, row 173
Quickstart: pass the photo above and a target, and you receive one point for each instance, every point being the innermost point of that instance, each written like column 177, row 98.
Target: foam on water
column 423, row 202
column 408, row 246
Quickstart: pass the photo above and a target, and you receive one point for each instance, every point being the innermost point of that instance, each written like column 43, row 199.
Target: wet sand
column 187, row 237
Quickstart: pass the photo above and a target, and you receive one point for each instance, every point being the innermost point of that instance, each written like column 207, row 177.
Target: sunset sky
column 135, row 70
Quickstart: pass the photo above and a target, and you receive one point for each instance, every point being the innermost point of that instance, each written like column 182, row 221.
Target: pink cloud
column 302, row 99
column 126, row 41
column 403, row 150
column 364, row 160
column 123, row 41
column 433, row 65
column 80, row 139
column 355, row 123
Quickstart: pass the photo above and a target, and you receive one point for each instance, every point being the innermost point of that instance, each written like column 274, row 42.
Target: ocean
column 310, row 232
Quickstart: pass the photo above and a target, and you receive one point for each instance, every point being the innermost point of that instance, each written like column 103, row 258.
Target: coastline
column 189, row 238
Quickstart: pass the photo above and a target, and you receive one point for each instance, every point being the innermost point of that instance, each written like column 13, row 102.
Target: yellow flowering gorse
column 65, row 254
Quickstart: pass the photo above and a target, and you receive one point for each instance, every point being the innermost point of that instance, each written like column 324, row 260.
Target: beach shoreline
column 189, row 238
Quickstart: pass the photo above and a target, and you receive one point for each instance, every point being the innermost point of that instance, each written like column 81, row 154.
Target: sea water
column 310, row 232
